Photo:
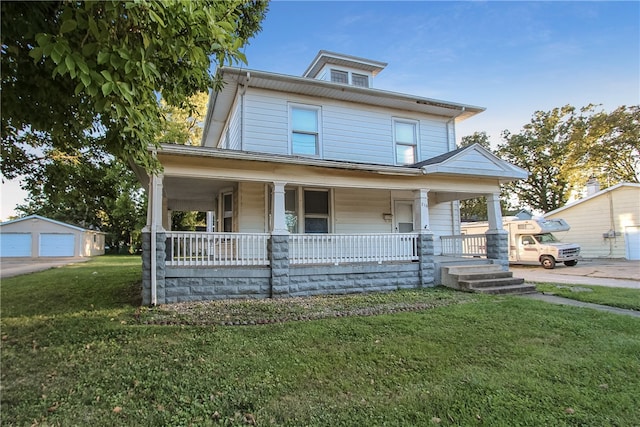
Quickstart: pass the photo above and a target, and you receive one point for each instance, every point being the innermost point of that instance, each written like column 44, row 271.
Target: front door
column 403, row 217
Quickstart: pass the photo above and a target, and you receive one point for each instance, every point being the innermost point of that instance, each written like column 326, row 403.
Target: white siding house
column 319, row 183
column 606, row 224
column 35, row 237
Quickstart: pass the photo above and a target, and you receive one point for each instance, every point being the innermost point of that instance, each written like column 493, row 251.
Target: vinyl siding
column 348, row 132
column 360, row 211
column 251, row 202
column 592, row 218
column 441, row 223
column 235, row 128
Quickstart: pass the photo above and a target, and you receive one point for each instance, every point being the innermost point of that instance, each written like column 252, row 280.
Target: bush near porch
column 77, row 350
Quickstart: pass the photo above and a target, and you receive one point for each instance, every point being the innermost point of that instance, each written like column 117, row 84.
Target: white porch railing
column 188, row 248
column 351, row 248
column 464, row 245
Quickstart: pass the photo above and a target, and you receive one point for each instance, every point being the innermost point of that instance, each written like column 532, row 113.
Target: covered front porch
column 280, row 228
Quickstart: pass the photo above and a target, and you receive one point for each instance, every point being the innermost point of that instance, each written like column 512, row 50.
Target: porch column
column 497, row 237
column 421, row 210
column 278, row 246
column 425, row 237
column 279, row 222
column 209, row 221
column 153, row 246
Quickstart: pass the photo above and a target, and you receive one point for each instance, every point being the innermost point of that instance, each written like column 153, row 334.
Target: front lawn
column 77, row 350
column 614, row 297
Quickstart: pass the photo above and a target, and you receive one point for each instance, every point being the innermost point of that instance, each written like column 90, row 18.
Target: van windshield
column 546, row 238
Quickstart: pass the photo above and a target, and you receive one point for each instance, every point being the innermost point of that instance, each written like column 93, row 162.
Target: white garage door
column 632, row 242
column 15, row 244
column 57, row 245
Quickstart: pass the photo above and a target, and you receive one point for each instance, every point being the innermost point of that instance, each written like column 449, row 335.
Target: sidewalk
column 566, row 301
column 11, row 268
column 600, row 272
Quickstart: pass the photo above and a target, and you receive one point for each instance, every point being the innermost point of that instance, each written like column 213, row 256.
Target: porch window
column 291, row 209
column 227, row 212
column 316, row 211
column 406, row 141
column 304, row 130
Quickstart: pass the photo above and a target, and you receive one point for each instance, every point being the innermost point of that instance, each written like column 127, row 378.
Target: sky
column 512, row 58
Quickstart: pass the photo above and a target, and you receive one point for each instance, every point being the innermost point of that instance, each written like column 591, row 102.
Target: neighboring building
column 315, row 184
column 606, row 224
column 35, row 237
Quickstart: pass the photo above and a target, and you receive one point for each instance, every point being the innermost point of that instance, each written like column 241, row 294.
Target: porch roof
column 452, row 176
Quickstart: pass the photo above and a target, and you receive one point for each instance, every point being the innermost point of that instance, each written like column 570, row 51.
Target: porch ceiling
column 197, row 193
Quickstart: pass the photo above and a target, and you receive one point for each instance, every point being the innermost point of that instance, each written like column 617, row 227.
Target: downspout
column 452, row 119
column 154, row 267
column 243, row 90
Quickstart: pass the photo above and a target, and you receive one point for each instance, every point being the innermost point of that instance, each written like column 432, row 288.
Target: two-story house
column 316, row 184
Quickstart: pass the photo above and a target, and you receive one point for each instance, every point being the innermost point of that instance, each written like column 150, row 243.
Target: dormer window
column 359, row 80
column 338, row 76
column 347, row 77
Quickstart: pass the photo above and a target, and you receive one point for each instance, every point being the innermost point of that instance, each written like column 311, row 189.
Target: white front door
column 403, row 217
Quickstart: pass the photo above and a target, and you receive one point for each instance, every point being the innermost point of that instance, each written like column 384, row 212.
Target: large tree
column 605, row 146
column 76, row 72
column 542, row 149
column 94, row 190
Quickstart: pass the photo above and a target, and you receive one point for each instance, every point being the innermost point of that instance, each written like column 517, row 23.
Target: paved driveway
column 12, row 267
column 601, row 272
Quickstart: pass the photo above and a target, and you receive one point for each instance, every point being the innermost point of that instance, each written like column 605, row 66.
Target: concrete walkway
column 566, row 301
column 10, row 268
column 614, row 273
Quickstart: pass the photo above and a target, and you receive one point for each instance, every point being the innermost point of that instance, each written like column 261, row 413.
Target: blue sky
column 513, row 58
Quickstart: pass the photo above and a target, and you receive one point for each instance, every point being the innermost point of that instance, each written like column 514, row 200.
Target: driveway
column 617, row 273
column 12, row 267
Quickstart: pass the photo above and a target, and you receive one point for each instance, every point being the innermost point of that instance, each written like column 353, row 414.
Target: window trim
column 340, row 72
column 415, row 144
column 318, row 133
column 365, row 76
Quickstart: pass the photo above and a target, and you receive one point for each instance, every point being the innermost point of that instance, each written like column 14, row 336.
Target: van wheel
column 571, row 263
column 548, row 262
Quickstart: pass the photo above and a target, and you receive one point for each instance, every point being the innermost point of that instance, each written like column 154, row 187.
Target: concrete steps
column 485, row 278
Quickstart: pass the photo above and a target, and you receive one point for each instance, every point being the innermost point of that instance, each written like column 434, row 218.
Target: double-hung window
column 307, row 210
column 405, row 135
column 305, row 136
column 316, row 211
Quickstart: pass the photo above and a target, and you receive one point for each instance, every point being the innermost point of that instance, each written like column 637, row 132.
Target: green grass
column 614, row 297
column 76, row 351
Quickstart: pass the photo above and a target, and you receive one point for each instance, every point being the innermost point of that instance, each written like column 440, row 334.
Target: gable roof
column 593, row 196
column 472, row 160
column 53, row 221
column 220, row 103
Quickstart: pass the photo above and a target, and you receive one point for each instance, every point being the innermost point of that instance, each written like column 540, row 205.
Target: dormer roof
column 325, row 57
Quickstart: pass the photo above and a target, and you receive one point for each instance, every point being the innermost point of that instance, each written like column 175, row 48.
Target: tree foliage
column 184, row 125
column 542, row 149
column 605, row 146
column 476, row 138
column 72, row 70
column 564, row 147
column 94, row 191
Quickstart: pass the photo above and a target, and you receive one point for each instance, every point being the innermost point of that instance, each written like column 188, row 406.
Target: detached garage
column 35, row 236
column 606, row 223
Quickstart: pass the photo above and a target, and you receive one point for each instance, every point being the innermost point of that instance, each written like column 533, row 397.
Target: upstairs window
column 304, row 131
column 338, row 76
column 359, row 80
column 406, row 141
